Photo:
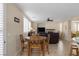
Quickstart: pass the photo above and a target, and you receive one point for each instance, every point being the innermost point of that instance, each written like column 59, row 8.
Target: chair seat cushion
column 35, row 46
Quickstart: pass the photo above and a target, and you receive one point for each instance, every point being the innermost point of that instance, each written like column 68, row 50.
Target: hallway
column 60, row 49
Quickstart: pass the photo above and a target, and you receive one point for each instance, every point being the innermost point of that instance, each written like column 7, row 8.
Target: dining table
column 42, row 38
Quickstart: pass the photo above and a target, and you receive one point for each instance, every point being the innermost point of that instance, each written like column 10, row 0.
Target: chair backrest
column 35, row 39
column 21, row 38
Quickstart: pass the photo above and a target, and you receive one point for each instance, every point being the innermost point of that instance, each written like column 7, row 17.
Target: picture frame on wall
column 16, row 19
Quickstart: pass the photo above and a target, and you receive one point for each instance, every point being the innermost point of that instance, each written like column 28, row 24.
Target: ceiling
column 55, row 11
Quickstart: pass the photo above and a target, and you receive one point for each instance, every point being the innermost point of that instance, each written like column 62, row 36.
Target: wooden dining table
column 42, row 38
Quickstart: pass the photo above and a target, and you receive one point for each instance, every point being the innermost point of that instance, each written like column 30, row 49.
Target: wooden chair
column 74, row 47
column 46, row 43
column 35, row 43
column 24, row 43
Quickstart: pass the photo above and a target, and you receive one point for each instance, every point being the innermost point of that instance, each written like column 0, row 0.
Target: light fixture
column 49, row 19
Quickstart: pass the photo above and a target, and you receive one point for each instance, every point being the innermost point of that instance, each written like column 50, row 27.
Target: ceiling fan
column 49, row 19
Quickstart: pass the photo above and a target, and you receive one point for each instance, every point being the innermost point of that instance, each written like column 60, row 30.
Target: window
column 75, row 26
column 61, row 25
column 78, row 26
column 27, row 25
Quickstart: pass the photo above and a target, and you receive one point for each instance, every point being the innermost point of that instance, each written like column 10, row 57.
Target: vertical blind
column 1, row 29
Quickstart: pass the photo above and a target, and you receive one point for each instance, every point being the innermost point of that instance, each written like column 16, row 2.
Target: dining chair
column 74, row 47
column 35, row 43
column 46, row 43
column 23, row 41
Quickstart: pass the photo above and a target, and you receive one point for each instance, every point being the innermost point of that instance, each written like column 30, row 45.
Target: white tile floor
column 60, row 49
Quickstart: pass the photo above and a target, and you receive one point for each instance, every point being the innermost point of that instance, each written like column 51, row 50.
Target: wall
column 34, row 26
column 53, row 25
column 67, row 30
column 42, row 24
column 13, row 29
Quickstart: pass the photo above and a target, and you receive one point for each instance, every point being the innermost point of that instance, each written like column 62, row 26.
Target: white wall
column 67, row 30
column 50, row 25
column 42, row 24
column 34, row 26
column 53, row 25
column 13, row 29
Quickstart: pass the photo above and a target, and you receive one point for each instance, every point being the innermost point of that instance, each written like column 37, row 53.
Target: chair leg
column 30, row 51
column 43, row 52
column 77, row 51
column 48, row 49
column 71, row 52
column 40, row 50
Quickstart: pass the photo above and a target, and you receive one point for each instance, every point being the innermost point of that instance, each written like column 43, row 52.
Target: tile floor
column 60, row 49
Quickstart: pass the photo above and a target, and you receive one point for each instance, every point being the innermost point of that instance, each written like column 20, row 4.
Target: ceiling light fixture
column 49, row 19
